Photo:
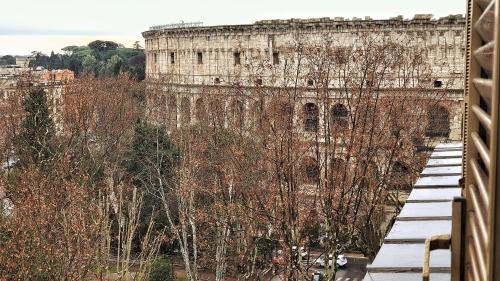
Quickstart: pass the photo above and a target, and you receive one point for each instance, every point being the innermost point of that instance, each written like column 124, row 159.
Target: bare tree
column 315, row 155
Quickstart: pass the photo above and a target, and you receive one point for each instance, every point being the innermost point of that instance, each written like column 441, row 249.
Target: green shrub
column 162, row 270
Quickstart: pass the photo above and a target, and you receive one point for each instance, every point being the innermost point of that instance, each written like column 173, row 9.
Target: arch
column 400, row 175
column 400, row 169
column 185, row 112
column 311, row 117
column 337, row 168
column 310, row 170
column 216, row 112
column 237, row 112
column 159, row 106
column 172, row 112
column 339, row 115
column 255, row 113
column 281, row 112
column 438, row 121
column 395, row 126
column 200, row 110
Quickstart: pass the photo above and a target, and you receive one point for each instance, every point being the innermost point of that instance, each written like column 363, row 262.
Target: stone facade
column 11, row 87
column 23, row 61
column 217, row 57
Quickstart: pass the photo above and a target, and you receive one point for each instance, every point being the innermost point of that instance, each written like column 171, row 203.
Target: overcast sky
column 47, row 25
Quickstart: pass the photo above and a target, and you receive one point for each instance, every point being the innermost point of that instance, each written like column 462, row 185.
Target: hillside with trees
column 7, row 59
column 102, row 58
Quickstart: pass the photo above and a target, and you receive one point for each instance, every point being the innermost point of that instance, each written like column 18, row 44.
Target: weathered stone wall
column 247, row 55
column 11, row 105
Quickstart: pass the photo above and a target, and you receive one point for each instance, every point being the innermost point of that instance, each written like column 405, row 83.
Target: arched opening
column 216, row 112
column 311, row 117
column 365, row 171
column 337, row 169
column 185, row 112
column 310, row 171
column 438, row 121
column 256, row 113
column 172, row 112
column 339, row 115
column 395, row 126
column 237, row 114
column 281, row 112
column 400, row 169
column 160, row 105
column 201, row 110
column 400, row 175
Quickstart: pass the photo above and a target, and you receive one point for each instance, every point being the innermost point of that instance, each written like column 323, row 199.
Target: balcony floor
column 427, row 212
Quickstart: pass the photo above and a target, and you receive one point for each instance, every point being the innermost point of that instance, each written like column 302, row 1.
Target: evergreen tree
column 151, row 150
column 8, row 59
column 55, row 61
column 114, row 65
column 35, row 141
column 89, row 64
column 162, row 270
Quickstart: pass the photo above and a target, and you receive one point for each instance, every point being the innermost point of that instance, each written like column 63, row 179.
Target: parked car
column 339, row 262
column 278, row 260
column 320, row 262
column 303, row 252
column 317, row 276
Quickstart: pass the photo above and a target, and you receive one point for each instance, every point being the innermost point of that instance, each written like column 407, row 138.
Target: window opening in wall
column 237, row 114
column 258, row 82
column 172, row 58
column 200, row 57
column 201, row 112
column 400, row 169
column 337, row 169
column 185, row 112
column 339, row 115
column 438, row 84
column 172, row 112
column 310, row 83
column 438, row 121
column 311, row 117
column 217, row 80
column 237, row 58
column 216, row 112
column 311, row 171
column 276, row 58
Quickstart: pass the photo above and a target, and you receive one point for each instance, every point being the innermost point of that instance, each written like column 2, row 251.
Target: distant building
column 23, row 61
column 12, row 82
column 13, row 69
column 59, row 75
column 192, row 58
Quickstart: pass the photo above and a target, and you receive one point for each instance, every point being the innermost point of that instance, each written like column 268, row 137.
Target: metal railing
column 177, row 25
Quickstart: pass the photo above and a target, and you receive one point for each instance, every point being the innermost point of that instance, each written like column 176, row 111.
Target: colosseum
column 188, row 59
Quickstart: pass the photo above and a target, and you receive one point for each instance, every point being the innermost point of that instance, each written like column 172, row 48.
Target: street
column 354, row 270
